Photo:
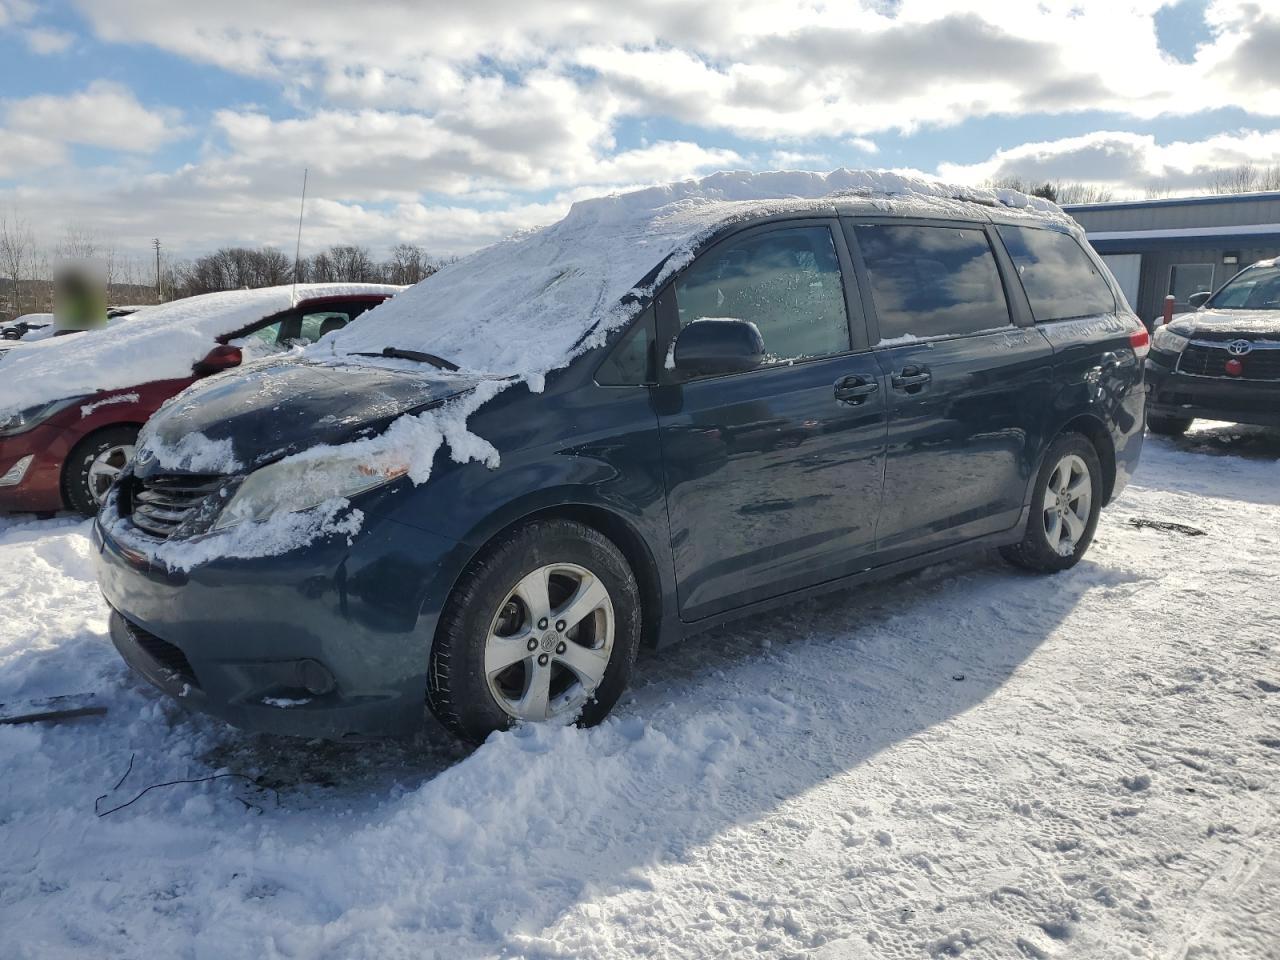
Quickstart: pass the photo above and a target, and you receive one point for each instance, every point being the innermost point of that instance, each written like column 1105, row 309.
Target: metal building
column 1180, row 245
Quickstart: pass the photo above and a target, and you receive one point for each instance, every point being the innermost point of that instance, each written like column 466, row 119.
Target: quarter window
column 1060, row 279
column 787, row 282
column 932, row 281
column 631, row 361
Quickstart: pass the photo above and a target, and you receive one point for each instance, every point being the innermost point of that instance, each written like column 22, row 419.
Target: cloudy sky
column 452, row 124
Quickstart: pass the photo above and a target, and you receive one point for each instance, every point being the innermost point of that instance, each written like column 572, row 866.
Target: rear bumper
column 40, row 488
column 329, row 640
column 1179, row 395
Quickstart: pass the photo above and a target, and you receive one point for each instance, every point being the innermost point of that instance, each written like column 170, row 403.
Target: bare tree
column 1081, row 193
column 408, row 264
column 17, row 257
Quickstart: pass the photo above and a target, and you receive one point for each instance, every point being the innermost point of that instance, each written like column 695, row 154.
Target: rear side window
column 932, row 281
column 1060, row 279
column 787, row 282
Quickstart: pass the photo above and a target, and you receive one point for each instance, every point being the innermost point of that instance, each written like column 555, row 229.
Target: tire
column 83, row 483
column 493, row 616
column 1040, row 550
column 1168, row 426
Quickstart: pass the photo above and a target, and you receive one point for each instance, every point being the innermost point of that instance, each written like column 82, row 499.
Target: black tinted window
column 932, row 281
column 787, row 282
column 631, row 360
column 1060, row 279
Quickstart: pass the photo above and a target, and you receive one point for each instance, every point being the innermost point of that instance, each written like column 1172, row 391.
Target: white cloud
column 104, row 114
column 1127, row 163
column 44, row 40
column 509, row 111
column 757, row 68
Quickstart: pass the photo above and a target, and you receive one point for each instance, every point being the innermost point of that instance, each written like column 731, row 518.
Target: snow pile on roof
column 522, row 305
column 156, row 343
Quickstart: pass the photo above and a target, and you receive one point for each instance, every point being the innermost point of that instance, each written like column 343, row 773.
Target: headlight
column 1167, row 341
column 303, row 482
column 31, row 417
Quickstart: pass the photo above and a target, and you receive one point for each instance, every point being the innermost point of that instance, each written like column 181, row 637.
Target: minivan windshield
column 1255, row 288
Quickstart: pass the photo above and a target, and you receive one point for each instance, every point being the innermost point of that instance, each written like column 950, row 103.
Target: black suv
column 797, row 397
column 1223, row 361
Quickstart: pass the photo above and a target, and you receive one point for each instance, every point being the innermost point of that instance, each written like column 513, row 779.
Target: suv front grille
column 165, row 654
column 162, row 503
column 1203, row 360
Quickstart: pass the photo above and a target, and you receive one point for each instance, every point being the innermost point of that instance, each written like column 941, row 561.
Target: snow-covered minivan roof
column 156, row 343
column 523, row 306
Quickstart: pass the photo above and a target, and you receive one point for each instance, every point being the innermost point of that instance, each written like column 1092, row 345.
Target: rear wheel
column 544, row 627
column 1168, row 426
column 93, row 465
column 1064, row 508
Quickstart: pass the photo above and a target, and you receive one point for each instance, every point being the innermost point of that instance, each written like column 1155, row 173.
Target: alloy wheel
column 549, row 643
column 106, row 466
column 1067, row 501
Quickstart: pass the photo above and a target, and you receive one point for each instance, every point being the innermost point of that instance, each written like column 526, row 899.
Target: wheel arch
column 620, row 531
column 1095, row 431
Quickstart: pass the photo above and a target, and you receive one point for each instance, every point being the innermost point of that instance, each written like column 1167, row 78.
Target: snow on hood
column 523, row 306
column 156, row 343
column 1244, row 322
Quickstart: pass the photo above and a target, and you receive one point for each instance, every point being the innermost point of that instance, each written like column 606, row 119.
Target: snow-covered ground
column 967, row 761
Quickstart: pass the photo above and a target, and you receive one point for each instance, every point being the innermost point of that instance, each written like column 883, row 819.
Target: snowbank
column 156, row 343
column 967, row 761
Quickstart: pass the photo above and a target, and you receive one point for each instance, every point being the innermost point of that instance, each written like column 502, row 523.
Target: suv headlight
column 305, row 481
column 1166, row 341
column 24, row 420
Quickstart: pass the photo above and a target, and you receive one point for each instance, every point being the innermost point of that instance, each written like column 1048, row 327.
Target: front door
column 968, row 390
column 773, row 475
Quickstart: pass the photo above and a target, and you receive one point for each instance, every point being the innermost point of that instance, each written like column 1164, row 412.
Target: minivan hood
column 285, row 406
column 1247, row 323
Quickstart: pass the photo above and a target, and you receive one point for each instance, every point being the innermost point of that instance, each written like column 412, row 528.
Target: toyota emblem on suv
column 1238, row 348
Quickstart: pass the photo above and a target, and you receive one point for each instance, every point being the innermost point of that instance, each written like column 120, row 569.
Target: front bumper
column 1171, row 393
column 241, row 639
column 40, row 489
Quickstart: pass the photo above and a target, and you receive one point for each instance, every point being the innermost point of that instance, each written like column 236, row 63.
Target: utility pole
column 159, row 291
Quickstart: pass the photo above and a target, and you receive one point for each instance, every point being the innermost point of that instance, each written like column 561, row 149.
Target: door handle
column 855, row 390
column 911, row 379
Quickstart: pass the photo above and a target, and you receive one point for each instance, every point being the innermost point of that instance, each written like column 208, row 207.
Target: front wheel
column 1064, row 508
column 93, row 465
column 1168, row 426
column 544, row 627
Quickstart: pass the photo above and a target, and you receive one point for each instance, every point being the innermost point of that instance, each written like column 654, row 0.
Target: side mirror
column 1197, row 299
column 718, row 347
column 222, row 357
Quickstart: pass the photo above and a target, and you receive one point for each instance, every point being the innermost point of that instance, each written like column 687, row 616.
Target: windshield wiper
column 396, row 353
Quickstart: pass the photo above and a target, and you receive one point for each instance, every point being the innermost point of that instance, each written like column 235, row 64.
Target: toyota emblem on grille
column 1238, row 348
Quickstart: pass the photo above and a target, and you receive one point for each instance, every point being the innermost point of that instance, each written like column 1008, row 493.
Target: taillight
column 1140, row 340
column 221, row 357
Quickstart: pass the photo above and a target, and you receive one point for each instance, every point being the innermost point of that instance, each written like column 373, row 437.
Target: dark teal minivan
column 652, row 417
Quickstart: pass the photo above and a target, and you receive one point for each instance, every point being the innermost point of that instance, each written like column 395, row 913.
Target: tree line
column 27, row 268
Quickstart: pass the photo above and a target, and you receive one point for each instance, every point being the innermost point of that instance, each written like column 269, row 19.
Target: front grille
column 1202, row 360
column 165, row 654
column 162, row 503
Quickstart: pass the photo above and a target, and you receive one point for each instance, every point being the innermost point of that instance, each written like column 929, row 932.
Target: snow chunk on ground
column 156, row 343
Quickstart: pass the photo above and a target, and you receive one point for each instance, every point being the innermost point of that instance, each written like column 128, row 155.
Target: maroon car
column 71, row 408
